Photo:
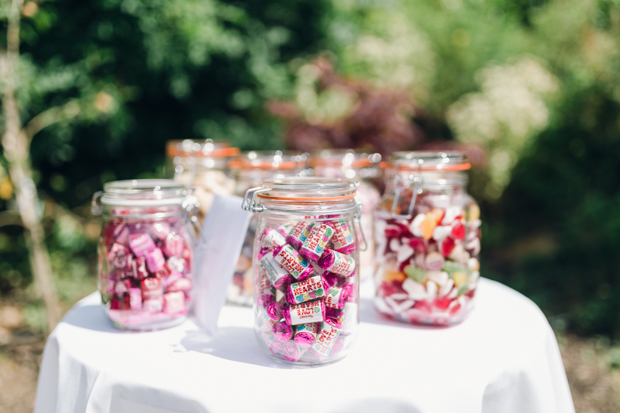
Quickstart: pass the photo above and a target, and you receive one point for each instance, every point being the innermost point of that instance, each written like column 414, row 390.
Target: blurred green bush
column 534, row 84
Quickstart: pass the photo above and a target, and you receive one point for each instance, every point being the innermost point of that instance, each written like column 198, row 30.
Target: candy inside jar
column 145, row 253
column 249, row 170
column 202, row 165
column 427, row 232
column 307, row 277
column 361, row 168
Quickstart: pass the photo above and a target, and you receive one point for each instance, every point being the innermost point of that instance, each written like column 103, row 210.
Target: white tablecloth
column 503, row 358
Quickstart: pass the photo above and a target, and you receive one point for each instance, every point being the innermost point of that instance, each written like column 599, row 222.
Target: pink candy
column 309, row 289
column 291, row 261
column 282, row 331
column 314, row 245
column 308, row 312
column 151, row 288
column 305, row 283
column 342, row 239
column 325, row 340
column 305, row 334
column 336, row 297
column 174, row 244
column 141, row 244
column 299, row 233
column 338, row 263
column 155, row 260
column 174, row 302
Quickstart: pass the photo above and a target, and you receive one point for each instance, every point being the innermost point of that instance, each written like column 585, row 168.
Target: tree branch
column 50, row 116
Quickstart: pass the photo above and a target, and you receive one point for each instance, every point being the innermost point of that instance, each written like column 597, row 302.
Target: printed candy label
column 332, row 299
column 273, row 239
column 342, row 237
column 290, row 259
column 309, row 312
column 307, row 328
column 301, row 230
column 318, row 237
column 343, row 264
column 325, row 340
column 272, row 269
column 308, row 289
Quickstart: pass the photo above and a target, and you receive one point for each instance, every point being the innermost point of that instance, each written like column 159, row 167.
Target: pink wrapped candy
column 338, row 263
column 309, row 289
column 314, row 245
column 337, row 297
column 282, row 331
column 299, row 233
column 342, row 239
column 291, row 261
column 141, row 244
column 272, row 238
column 305, row 334
column 308, row 312
column 276, row 274
column 325, row 340
column 287, row 349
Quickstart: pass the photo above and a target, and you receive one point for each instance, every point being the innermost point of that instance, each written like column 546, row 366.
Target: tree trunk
column 17, row 153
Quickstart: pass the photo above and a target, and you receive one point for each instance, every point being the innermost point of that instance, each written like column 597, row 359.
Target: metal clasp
column 358, row 218
column 190, row 211
column 95, row 205
column 249, row 203
column 400, row 185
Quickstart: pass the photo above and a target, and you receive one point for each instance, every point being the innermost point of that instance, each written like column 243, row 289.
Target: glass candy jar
column 361, row 168
column 145, row 252
column 202, row 165
column 249, row 170
column 307, row 278
column 427, row 239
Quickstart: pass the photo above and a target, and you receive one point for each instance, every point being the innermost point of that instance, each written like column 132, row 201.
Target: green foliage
column 533, row 83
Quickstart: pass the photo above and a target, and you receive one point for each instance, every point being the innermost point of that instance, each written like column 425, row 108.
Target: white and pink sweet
column 427, row 266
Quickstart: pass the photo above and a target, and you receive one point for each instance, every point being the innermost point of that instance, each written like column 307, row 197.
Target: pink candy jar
column 306, row 281
column 145, row 252
column 249, row 170
column 202, row 165
column 361, row 168
column 427, row 236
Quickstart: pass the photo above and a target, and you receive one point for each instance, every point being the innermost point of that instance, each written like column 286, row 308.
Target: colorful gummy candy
column 427, row 266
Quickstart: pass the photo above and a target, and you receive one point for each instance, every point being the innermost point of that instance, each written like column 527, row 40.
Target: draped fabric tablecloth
column 503, row 358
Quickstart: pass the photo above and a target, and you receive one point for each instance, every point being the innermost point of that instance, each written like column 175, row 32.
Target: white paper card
column 223, row 233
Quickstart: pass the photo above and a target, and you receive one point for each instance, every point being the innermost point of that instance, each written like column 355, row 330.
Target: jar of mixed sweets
column 249, row 170
column 361, row 168
column 427, row 235
column 145, row 252
column 306, row 282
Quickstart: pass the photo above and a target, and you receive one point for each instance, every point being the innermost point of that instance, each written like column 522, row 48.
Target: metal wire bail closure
column 399, row 185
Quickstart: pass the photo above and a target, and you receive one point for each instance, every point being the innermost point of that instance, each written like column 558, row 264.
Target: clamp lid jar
column 306, row 291
column 427, row 239
column 145, row 252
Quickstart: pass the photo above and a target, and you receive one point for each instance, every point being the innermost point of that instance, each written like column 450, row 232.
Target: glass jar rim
column 144, row 192
column 308, row 189
column 428, row 161
column 196, row 148
column 344, row 158
column 268, row 160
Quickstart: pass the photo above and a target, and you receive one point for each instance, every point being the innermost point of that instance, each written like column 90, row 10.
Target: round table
column 503, row 358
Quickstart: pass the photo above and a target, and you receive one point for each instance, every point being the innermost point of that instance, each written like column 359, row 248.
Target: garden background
column 529, row 88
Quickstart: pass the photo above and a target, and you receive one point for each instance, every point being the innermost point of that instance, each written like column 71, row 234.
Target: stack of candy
column 427, row 266
column 146, row 278
column 307, row 305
